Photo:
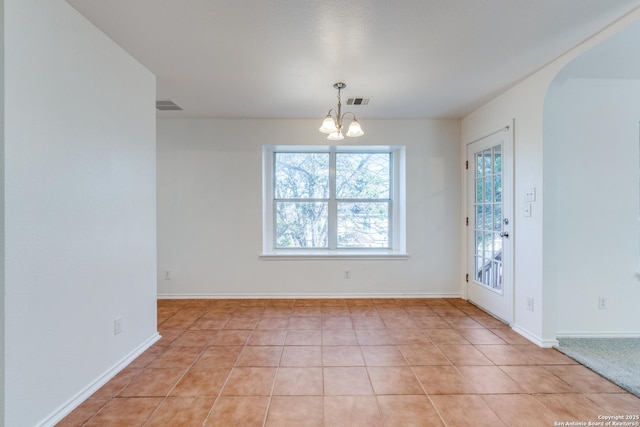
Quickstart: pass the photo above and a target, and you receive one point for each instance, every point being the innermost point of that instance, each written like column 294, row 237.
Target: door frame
column 508, row 183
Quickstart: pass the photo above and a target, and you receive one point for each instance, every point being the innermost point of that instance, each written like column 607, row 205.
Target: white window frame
column 397, row 214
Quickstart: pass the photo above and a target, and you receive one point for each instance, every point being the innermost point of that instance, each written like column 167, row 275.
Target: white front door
column 490, row 223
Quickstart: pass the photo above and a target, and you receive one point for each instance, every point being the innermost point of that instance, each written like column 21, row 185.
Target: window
column 334, row 201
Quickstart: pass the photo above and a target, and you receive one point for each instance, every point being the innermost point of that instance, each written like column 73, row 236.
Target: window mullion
column 333, row 204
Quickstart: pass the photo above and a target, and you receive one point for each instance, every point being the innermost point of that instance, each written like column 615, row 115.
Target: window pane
column 363, row 225
column 301, row 175
column 363, row 175
column 301, row 225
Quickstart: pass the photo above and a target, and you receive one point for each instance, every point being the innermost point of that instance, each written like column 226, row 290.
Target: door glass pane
column 497, row 217
column 479, row 217
column 488, row 189
column 488, row 162
column 488, row 245
column 488, row 217
column 486, row 271
column 497, row 159
column 497, row 188
column 479, row 195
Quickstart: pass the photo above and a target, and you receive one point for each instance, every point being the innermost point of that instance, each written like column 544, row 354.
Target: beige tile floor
column 346, row 362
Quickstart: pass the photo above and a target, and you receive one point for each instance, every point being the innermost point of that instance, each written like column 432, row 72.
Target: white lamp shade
column 355, row 129
column 335, row 136
column 328, row 125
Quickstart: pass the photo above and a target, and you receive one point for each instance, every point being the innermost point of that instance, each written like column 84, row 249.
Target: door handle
column 504, row 234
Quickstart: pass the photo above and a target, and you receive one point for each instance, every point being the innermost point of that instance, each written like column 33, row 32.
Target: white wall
column 525, row 104
column 2, row 241
column 592, row 241
column 210, row 224
column 592, row 174
column 80, row 208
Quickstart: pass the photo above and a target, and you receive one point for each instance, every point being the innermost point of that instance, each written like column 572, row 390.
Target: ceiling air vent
column 168, row 106
column 358, row 100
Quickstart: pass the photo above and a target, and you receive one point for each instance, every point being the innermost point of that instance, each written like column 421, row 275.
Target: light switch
column 527, row 209
column 530, row 194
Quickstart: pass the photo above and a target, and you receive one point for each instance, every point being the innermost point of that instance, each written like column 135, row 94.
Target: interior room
column 142, row 242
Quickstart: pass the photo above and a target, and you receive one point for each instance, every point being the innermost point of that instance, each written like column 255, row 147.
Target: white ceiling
column 280, row 58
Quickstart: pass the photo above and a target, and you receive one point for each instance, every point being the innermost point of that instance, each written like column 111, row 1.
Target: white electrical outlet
column 530, row 303
column 167, row 275
column 602, row 303
column 117, row 325
column 347, row 274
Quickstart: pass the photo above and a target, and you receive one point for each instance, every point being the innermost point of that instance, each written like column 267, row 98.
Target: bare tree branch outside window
column 361, row 199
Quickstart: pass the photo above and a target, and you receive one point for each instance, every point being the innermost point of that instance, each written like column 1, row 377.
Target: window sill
column 293, row 255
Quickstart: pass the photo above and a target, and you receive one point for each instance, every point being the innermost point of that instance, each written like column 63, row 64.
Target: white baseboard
column 301, row 296
column 598, row 334
column 535, row 339
column 83, row 395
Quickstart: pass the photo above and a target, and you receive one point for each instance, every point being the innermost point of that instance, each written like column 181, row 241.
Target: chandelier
column 333, row 125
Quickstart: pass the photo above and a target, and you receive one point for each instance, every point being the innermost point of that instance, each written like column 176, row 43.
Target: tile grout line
column 393, row 322
column 444, row 423
column 206, row 418
column 166, row 397
column 273, row 385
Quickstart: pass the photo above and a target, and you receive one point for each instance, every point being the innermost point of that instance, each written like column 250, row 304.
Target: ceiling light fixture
column 333, row 125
